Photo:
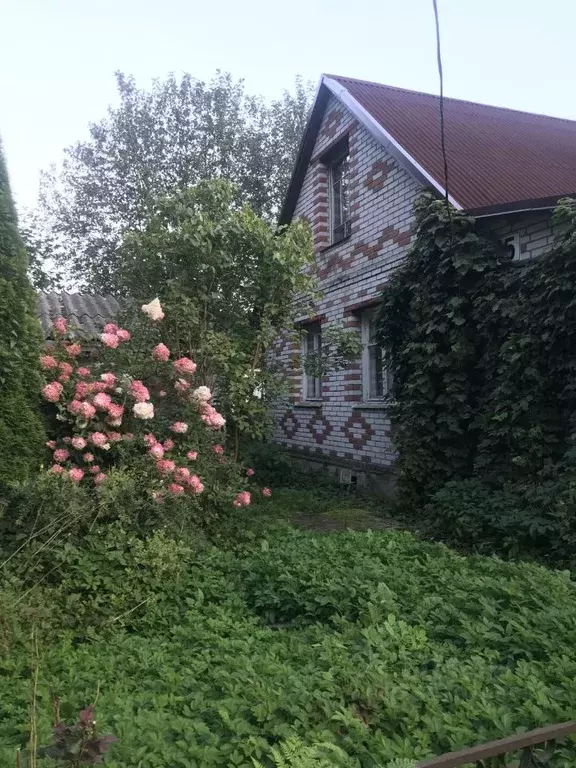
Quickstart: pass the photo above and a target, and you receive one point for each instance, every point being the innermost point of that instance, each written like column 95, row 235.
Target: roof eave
column 518, row 206
column 386, row 139
column 326, row 86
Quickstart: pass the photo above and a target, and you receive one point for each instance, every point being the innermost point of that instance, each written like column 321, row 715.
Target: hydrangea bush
column 140, row 409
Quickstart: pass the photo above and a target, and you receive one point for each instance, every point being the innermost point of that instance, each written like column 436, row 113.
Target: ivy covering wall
column 21, row 428
column 483, row 353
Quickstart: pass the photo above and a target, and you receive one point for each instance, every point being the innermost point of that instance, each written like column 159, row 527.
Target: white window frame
column 345, row 224
column 311, row 383
column 367, row 395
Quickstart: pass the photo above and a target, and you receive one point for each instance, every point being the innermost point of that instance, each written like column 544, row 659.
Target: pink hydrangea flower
column 111, row 328
column 52, row 392
column 99, row 478
column 212, row 418
column 115, row 411
column 168, row 444
column 179, row 427
column 65, row 368
column 114, row 437
column 88, row 457
column 249, row 472
column 83, row 372
column 86, row 410
column 60, row 325
column 109, row 379
column 98, row 439
column 83, row 389
column 156, row 451
column 94, row 470
column 102, row 401
column 51, row 444
column 99, row 386
column 218, row 450
column 139, row 392
column 165, row 466
column 128, row 436
column 74, row 406
column 185, row 367
column 64, row 378
column 192, row 455
column 73, row 350
column 150, row 440
column 123, row 334
column 48, row 362
column 76, row 474
column 243, row 499
column 266, row 492
column 60, row 455
column 79, row 443
column 161, row 353
column 195, row 484
column 109, row 340
column 67, row 440
column 174, row 489
column 57, row 469
column 182, row 475
column 181, row 385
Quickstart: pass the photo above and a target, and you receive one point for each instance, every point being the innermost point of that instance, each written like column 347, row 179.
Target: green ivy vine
column 483, row 354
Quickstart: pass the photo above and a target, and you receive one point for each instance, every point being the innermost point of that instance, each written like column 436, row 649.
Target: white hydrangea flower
column 143, row 411
column 202, row 394
column 153, row 310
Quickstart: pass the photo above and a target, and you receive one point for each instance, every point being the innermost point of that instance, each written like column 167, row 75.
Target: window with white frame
column 311, row 348
column 339, row 196
column 376, row 379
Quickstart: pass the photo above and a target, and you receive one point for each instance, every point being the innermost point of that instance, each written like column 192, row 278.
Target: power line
column 442, row 127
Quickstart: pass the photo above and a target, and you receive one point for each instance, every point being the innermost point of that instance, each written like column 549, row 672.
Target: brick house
column 367, row 153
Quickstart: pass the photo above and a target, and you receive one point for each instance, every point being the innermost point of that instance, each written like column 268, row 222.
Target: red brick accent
column 332, row 124
column 319, row 427
column 389, row 234
column 378, row 175
column 357, row 420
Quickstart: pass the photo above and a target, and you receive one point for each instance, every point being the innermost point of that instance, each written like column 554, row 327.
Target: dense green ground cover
column 382, row 644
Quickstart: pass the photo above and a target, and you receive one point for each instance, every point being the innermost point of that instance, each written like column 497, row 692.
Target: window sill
column 371, row 406
column 308, row 404
column 336, row 244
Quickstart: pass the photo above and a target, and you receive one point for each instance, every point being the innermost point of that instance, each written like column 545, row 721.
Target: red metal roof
column 496, row 156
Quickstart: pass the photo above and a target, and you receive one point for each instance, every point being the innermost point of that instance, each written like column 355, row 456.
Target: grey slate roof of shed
column 90, row 312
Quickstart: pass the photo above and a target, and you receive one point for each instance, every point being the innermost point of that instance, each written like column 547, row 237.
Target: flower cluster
column 113, row 336
column 102, row 409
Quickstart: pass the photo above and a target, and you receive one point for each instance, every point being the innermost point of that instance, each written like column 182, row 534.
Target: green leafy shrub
column 537, row 519
column 420, row 652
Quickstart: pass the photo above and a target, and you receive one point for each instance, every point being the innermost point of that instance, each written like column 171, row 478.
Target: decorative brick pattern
column 358, row 431
column 319, row 427
column 289, row 424
column 378, row 175
column 350, row 274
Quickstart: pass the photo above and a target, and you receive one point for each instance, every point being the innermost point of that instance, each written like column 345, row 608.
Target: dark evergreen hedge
column 21, row 427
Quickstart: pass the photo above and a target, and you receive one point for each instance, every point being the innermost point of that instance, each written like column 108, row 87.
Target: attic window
column 339, row 194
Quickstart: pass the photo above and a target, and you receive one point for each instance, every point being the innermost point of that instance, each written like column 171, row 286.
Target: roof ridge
column 339, row 78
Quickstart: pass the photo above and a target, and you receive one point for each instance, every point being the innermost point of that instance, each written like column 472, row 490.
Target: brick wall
column 535, row 229
column 350, row 275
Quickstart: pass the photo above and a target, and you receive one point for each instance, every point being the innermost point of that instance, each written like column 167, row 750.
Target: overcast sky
column 57, row 57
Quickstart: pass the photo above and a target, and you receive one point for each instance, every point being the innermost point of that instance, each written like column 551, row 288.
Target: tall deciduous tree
column 21, row 430
column 167, row 138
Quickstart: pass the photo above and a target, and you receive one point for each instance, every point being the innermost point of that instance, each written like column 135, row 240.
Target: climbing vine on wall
column 483, row 354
